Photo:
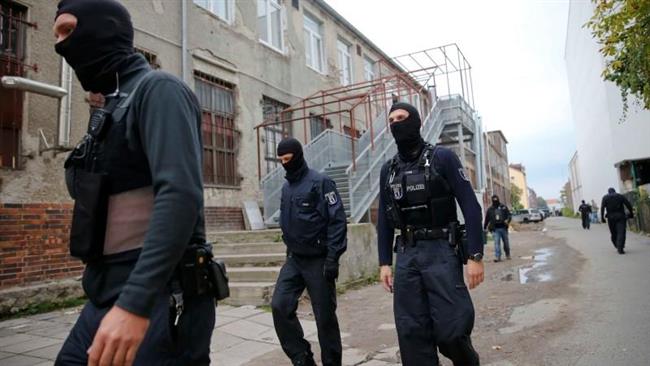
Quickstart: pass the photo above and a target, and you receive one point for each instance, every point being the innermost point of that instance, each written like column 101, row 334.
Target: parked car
column 541, row 213
column 526, row 216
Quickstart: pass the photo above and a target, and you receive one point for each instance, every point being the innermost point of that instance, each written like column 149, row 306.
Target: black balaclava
column 407, row 132
column 99, row 45
column 495, row 201
column 297, row 165
column 611, row 191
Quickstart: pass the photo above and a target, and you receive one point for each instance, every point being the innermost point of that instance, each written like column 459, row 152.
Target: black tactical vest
column 104, row 163
column 419, row 197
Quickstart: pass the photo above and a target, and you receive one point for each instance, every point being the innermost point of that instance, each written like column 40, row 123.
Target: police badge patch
column 331, row 198
column 463, row 174
column 397, row 191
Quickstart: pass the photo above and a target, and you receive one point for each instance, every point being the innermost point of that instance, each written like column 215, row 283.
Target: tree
column 515, row 197
column 622, row 27
column 541, row 203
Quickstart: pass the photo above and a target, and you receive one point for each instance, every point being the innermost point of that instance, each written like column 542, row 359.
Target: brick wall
column 34, row 244
column 34, row 240
column 224, row 218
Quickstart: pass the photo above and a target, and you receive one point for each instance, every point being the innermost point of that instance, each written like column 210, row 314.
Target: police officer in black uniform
column 313, row 223
column 137, row 183
column 419, row 190
column 585, row 215
column 614, row 204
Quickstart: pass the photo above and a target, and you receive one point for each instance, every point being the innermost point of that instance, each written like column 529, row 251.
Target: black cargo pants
column 297, row 274
column 433, row 308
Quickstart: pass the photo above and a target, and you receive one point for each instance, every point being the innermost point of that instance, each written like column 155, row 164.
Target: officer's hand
column 604, row 221
column 331, row 270
column 386, row 278
column 118, row 338
column 474, row 273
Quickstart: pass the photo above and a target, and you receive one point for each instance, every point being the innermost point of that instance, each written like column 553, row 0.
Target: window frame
column 280, row 7
column 285, row 130
column 343, row 50
column 229, row 17
column 308, row 18
column 211, row 149
column 367, row 61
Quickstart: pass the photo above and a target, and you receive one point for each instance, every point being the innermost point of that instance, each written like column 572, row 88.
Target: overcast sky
column 516, row 49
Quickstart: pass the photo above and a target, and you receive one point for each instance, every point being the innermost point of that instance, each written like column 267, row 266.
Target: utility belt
column 198, row 273
column 409, row 236
column 454, row 233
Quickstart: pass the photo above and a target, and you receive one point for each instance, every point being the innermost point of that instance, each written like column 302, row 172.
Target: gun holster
column 201, row 274
column 458, row 239
column 88, row 229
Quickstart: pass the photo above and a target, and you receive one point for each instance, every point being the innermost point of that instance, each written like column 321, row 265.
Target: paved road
column 612, row 302
column 580, row 304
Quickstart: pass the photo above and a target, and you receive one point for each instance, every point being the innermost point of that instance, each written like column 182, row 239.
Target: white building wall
column 602, row 139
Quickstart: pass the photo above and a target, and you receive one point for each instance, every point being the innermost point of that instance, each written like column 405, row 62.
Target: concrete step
column 254, row 260
column 258, row 236
column 253, row 274
column 250, row 293
column 248, row 248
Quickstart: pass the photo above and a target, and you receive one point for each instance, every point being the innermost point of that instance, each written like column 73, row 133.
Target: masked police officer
column 419, row 190
column 613, row 208
column 137, row 183
column 313, row 223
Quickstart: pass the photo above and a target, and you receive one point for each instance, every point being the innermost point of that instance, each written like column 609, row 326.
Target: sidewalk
column 241, row 335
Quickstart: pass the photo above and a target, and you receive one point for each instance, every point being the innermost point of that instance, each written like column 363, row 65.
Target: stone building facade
column 497, row 174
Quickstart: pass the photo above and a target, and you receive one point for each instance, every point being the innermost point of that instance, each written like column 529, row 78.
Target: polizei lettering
column 415, row 187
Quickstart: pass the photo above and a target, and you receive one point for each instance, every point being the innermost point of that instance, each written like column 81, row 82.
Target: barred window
column 151, row 58
column 220, row 136
column 13, row 33
column 274, row 134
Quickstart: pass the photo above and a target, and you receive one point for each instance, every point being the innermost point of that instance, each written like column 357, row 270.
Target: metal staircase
column 354, row 163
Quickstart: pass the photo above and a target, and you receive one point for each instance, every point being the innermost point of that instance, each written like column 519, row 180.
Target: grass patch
column 356, row 284
column 265, row 308
column 44, row 307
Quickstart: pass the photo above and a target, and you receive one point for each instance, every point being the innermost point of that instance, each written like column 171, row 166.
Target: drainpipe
column 184, row 41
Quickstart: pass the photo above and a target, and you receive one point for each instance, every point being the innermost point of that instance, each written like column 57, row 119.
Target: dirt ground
column 514, row 320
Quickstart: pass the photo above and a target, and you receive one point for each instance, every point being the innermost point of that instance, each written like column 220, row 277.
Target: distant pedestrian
column 615, row 204
column 585, row 214
column 497, row 220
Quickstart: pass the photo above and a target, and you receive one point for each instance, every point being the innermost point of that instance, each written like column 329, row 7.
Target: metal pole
column 353, row 130
column 304, row 120
column 259, row 161
column 184, row 40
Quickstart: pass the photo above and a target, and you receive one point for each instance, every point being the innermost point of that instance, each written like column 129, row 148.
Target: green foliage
column 541, row 203
column 567, row 212
column 515, row 197
column 45, row 307
column 622, row 27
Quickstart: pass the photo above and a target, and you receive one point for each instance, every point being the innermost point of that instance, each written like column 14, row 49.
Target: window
column 220, row 136
column 345, row 62
column 368, row 68
column 269, row 23
column 314, row 44
column 13, row 32
column 221, row 8
column 151, row 58
column 274, row 134
column 318, row 124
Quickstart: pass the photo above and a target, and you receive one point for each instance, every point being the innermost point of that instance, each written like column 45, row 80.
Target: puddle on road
column 538, row 271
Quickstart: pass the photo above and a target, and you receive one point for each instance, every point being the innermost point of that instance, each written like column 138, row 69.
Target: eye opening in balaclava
column 495, row 200
column 297, row 163
column 100, row 43
column 407, row 132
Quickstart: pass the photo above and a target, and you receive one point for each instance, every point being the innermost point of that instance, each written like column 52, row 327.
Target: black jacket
column 490, row 219
column 312, row 217
column 615, row 204
column 450, row 168
column 164, row 122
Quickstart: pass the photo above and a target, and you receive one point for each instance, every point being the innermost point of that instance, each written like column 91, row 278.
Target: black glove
column 604, row 221
column 331, row 270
